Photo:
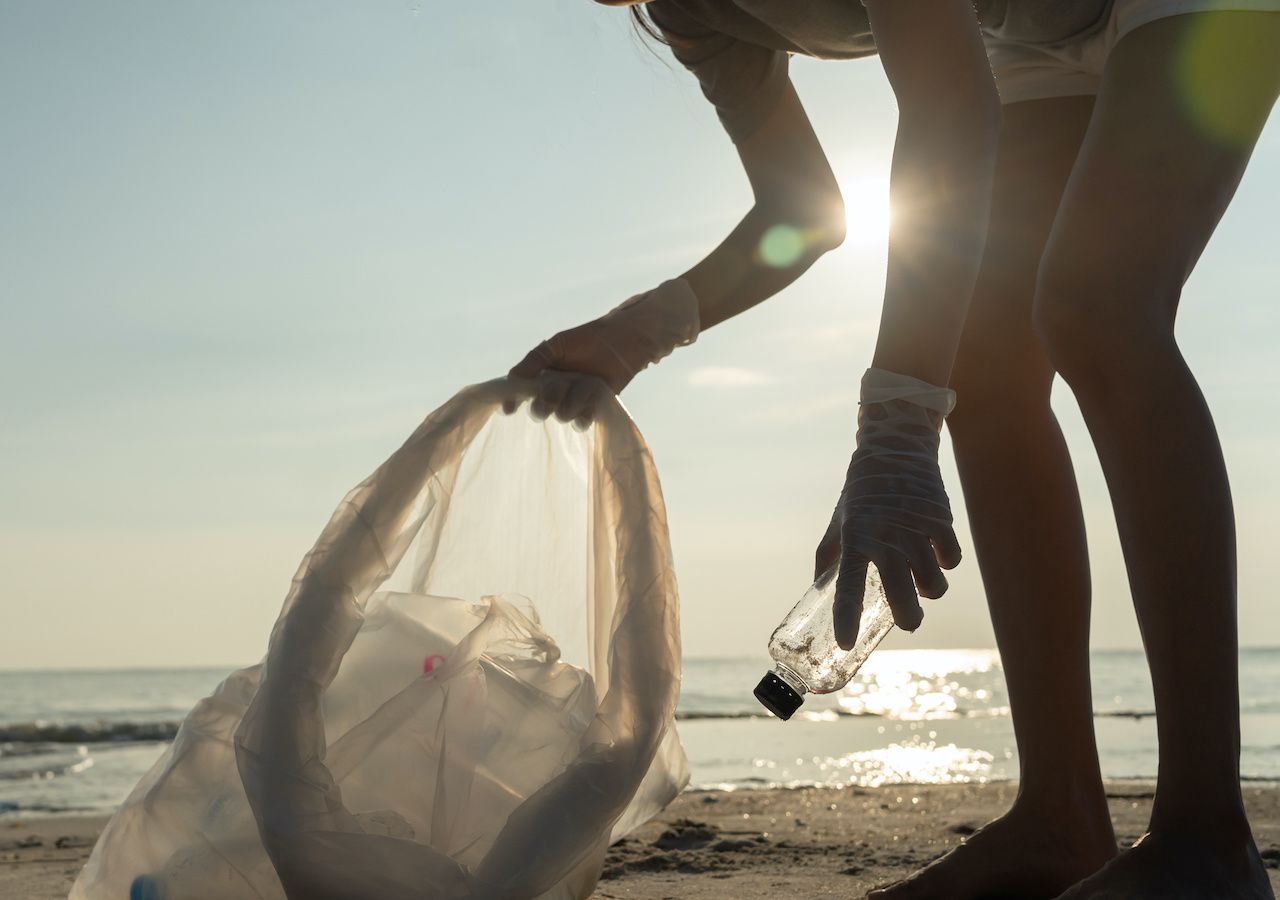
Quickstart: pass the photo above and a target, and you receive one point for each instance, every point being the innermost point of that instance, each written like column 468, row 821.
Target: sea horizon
column 78, row 740
column 230, row 667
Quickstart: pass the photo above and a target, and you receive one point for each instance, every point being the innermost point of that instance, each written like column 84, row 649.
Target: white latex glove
column 893, row 511
column 613, row 349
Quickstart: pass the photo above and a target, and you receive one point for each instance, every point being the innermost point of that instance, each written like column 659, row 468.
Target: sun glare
column 866, row 210
column 866, row 213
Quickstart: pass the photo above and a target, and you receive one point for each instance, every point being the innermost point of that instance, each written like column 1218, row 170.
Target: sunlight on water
column 916, row 762
column 921, row 684
column 933, row 662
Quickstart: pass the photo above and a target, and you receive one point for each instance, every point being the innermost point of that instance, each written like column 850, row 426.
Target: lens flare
column 782, row 246
column 1211, row 51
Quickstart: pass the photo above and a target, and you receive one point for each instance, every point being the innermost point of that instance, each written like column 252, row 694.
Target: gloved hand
column 893, row 510
column 613, row 349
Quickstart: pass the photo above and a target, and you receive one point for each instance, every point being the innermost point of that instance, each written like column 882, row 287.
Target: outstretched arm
column 796, row 216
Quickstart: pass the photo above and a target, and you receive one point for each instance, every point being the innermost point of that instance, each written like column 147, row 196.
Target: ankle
column 1217, row 827
column 1074, row 802
column 1200, row 807
column 1227, row 854
column 1077, row 823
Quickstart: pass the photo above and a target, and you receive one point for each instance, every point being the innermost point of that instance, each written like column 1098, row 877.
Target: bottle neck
column 794, row 681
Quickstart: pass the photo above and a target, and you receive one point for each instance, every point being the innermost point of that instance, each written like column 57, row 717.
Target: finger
column 592, row 409
column 900, row 591
column 601, row 394
column 552, row 386
column 946, row 547
column 543, row 356
column 827, row 554
column 930, row 582
column 514, row 393
column 846, row 608
column 577, row 397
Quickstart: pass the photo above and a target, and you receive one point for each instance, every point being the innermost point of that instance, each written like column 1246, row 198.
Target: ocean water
column 79, row 741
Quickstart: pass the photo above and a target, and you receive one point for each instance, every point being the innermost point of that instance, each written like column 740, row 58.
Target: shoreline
column 746, row 843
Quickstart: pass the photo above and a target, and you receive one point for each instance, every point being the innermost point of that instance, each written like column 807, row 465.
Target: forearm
column 797, row 215
column 769, row 249
column 943, row 167
column 941, row 198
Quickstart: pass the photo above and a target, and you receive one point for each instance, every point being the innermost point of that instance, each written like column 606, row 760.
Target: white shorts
column 1026, row 71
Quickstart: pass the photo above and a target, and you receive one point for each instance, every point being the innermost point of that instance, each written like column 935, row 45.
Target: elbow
column 824, row 229
column 818, row 218
column 830, row 227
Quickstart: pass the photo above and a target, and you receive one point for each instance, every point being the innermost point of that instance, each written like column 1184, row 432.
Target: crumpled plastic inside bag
column 469, row 693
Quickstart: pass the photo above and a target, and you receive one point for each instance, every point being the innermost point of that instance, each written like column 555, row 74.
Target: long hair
column 645, row 26
column 650, row 32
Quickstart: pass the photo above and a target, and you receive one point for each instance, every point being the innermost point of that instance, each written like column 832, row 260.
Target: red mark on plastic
column 431, row 662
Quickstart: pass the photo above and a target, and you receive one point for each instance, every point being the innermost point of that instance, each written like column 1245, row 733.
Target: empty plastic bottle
column 807, row 658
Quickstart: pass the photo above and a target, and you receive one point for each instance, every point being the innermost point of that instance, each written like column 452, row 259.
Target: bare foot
column 1025, row 854
column 1162, row 867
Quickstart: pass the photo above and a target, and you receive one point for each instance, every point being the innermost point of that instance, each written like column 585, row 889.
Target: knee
column 987, row 424
column 1067, row 307
column 1000, row 387
column 1095, row 318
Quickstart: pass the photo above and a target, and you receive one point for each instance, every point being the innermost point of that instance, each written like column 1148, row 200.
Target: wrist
column 676, row 306
column 645, row 328
column 883, row 386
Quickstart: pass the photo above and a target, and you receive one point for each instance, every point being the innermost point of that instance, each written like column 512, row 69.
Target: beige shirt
column 738, row 48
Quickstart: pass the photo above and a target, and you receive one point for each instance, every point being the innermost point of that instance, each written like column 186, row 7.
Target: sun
column 866, row 210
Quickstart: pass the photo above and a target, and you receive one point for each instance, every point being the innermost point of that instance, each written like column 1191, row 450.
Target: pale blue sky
column 244, row 248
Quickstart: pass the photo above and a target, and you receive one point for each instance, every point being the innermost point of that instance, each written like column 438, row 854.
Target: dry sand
column 798, row 843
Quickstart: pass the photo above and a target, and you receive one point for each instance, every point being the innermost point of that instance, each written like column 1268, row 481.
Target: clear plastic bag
column 469, row 693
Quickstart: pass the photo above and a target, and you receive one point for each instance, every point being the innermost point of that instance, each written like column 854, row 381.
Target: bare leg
column 1024, row 512
column 1181, row 106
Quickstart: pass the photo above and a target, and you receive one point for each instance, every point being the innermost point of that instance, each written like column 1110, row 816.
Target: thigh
column 1039, row 142
column 1182, row 102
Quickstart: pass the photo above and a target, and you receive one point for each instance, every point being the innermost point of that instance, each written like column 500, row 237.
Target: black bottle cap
column 777, row 696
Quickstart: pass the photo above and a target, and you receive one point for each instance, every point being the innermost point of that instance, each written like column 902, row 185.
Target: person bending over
column 1057, row 173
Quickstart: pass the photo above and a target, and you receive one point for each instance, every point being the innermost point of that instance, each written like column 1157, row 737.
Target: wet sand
column 804, row 843
column 40, row 857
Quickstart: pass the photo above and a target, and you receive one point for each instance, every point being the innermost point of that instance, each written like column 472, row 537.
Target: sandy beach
column 810, row 842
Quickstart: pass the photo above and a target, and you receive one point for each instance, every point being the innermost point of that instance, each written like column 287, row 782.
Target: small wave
column 823, row 714
column 1124, row 714
column 11, row 808
column 96, row 733
column 41, row 774
column 763, row 784
column 830, row 713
